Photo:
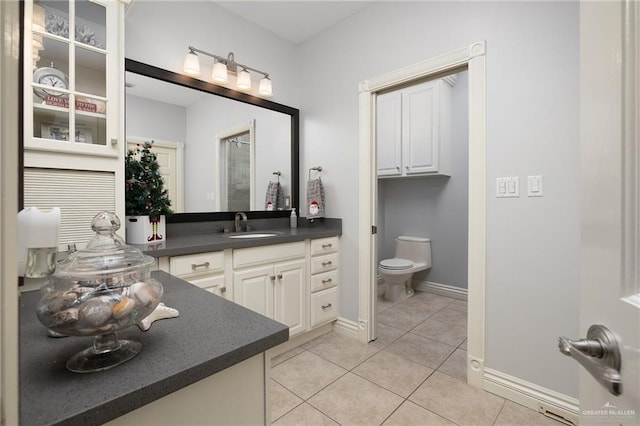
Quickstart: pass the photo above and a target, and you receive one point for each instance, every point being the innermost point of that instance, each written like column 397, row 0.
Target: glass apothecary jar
column 97, row 291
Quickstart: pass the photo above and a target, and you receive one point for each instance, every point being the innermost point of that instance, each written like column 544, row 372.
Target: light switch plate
column 534, row 186
column 508, row 187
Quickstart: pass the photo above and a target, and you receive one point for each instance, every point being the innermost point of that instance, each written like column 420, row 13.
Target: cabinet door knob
column 327, row 306
column 398, row 168
column 195, row 266
column 279, row 276
column 223, row 289
column 272, row 277
column 326, row 263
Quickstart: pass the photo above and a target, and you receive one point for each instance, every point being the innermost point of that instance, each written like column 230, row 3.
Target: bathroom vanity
column 207, row 366
column 289, row 275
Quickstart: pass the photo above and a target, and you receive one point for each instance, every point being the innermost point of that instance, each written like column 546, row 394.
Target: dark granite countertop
column 190, row 241
column 210, row 335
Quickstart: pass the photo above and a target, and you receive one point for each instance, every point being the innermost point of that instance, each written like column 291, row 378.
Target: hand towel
column 275, row 197
column 315, row 198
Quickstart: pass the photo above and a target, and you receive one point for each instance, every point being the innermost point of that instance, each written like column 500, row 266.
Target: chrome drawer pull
column 195, row 266
column 327, row 306
column 328, row 280
column 326, row 263
column 327, row 246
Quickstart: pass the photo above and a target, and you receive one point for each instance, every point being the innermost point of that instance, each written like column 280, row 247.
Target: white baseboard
column 346, row 327
column 442, row 289
column 560, row 407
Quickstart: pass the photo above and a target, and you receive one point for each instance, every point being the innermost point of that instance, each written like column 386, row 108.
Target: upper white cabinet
column 413, row 130
column 73, row 109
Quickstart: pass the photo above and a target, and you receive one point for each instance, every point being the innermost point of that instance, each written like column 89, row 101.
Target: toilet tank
column 416, row 249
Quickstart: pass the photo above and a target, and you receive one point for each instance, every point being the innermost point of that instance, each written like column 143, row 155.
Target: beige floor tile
column 343, row 351
column 457, row 401
column 279, row 359
column 410, row 414
column 458, row 305
column 421, row 306
column 444, row 300
column 400, row 319
column 451, row 317
column 386, row 336
column 383, row 304
column 463, row 345
column 393, row 372
column 303, row 415
column 316, row 341
column 421, row 350
column 456, row 365
column 282, row 401
column 441, row 331
column 513, row 414
column 352, row 400
column 306, row 373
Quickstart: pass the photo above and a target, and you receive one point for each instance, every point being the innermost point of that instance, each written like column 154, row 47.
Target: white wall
column 532, row 118
column 155, row 120
column 433, row 206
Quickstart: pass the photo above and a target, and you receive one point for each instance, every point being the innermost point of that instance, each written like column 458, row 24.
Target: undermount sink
column 248, row 235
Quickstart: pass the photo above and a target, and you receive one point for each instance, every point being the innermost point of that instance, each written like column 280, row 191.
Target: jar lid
column 105, row 254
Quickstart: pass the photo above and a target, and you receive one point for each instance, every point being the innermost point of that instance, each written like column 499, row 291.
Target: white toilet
column 413, row 254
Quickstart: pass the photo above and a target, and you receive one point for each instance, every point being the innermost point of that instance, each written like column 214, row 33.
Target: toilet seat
column 396, row 264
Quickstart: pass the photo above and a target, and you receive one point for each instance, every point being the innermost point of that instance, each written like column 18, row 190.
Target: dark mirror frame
column 193, row 83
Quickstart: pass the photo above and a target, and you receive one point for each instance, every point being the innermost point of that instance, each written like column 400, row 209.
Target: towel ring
column 316, row 168
column 278, row 173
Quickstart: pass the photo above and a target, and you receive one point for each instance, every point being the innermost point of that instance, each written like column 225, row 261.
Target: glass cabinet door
column 70, row 71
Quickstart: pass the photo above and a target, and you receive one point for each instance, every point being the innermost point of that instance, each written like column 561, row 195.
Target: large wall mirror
column 220, row 151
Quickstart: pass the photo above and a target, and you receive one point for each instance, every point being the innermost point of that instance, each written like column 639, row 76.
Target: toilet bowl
column 412, row 254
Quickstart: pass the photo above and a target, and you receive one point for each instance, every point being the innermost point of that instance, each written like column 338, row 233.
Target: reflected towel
column 315, row 198
column 275, row 197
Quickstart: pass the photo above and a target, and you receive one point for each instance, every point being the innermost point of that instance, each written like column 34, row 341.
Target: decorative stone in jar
column 97, row 291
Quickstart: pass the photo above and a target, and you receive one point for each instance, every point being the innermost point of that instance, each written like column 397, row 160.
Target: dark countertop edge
column 118, row 407
column 192, row 244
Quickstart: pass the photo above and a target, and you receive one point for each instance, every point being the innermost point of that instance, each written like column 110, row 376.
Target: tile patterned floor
column 335, row 380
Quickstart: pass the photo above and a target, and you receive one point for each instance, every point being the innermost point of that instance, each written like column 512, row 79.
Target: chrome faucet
column 240, row 216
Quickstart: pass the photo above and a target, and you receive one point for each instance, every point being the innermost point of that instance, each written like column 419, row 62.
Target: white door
column 610, row 208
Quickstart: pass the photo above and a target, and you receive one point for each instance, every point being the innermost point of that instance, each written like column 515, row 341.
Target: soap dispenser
column 293, row 219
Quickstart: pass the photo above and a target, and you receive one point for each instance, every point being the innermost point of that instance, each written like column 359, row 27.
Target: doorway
column 473, row 59
column 235, row 186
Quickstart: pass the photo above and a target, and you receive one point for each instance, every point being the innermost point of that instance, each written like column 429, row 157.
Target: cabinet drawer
column 324, row 306
column 324, row 280
column 324, row 263
column 214, row 284
column 251, row 256
column 197, row 264
column 324, row 245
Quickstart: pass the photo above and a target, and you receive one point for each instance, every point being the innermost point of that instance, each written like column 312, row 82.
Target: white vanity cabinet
column 205, row 270
column 323, row 297
column 272, row 280
column 73, row 97
column 413, row 130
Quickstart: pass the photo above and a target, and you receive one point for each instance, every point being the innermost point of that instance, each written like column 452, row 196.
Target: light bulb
column 265, row 87
column 191, row 63
column 244, row 80
column 219, row 72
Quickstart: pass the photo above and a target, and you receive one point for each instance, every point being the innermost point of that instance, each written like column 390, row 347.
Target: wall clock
column 53, row 77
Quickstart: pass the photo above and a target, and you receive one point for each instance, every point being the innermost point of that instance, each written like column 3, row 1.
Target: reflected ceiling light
column 225, row 66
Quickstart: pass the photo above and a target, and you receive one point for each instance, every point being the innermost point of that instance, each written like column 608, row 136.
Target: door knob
column 599, row 353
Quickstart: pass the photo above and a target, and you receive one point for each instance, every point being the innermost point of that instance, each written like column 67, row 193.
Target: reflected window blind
column 80, row 194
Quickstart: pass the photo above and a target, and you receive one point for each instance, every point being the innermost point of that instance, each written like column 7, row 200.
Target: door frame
column 473, row 58
column 221, row 137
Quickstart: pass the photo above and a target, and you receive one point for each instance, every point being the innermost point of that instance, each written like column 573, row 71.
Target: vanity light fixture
column 225, row 66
